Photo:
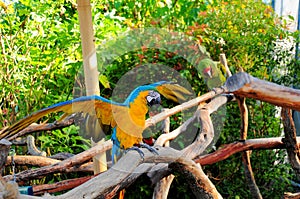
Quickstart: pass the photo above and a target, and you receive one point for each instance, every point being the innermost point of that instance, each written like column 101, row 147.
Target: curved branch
column 206, row 135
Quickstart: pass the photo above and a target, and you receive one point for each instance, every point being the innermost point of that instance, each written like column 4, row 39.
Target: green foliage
column 66, row 140
column 244, row 31
column 39, row 56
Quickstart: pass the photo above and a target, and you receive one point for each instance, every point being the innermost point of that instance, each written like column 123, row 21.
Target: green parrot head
column 210, row 72
column 207, row 68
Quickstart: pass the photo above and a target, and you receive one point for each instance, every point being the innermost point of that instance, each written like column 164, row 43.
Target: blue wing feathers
column 129, row 99
column 85, row 99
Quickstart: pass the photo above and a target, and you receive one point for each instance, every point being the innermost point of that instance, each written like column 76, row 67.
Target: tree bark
column 266, row 91
column 201, row 186
column 290, row 140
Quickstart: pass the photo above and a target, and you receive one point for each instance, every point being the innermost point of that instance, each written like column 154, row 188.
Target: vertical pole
column 296, row 114
column 88, row 47
column 90, row 65
column 298, row 26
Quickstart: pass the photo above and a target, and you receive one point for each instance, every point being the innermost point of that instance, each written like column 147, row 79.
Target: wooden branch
column 165, row 138
column 290, row 140
column 32, row 149
column 123, row 170
column 201, row 186
column 31, row 160
column 288, row 195
column 243, row 136
column 254, row 190
column 45, row 161
column 204, row 138
column 223, row 61
column 122, row 173
column 161, row 187
column 239, row 146
column 167, row 156
column 244, row 117
column 63, row 165
column 206, row 135
column 112, row 180
column 186, row 105
column 60, row 186
column 161, row 170
column 265, row 91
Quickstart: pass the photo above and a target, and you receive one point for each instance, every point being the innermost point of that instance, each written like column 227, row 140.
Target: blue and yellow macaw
column 127, row 119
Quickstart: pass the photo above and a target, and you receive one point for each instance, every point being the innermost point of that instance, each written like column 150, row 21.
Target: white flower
column 282, row 53
column 221, row 41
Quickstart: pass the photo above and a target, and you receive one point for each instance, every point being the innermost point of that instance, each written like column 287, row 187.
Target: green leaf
column 104, row 81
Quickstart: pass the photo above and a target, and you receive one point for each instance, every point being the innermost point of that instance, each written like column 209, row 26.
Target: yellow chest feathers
column 129, row 132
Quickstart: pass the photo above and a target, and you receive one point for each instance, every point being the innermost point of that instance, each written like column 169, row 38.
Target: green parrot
column 211, row 72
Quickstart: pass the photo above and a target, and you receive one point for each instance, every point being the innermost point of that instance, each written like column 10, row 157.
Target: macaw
column 127, row 119
column 211, row 72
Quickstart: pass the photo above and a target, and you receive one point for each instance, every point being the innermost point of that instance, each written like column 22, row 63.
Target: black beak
column 153, row 98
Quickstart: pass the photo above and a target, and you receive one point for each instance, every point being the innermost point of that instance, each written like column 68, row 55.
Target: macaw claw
column 150, row 148
column 143, row 145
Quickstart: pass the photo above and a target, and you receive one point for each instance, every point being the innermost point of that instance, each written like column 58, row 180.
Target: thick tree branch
column 239, row 146
column 290, row 140
column 122, row 174
column 265, row 91
column 206, row 134
column 201, row 186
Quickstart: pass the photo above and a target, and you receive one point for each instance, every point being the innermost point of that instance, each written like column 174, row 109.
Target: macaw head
column 153, row 98
column 153, row 101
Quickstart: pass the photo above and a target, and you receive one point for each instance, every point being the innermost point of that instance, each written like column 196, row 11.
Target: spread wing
column 92, row 105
